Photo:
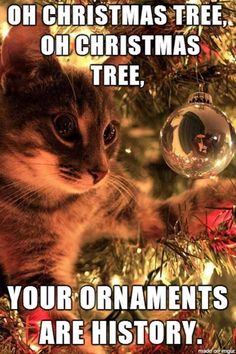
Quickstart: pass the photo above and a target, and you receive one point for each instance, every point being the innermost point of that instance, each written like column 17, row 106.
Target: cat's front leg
column 194, row 213
column 131, row 214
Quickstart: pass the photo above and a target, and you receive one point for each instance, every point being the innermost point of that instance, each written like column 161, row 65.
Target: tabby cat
column 60, row 184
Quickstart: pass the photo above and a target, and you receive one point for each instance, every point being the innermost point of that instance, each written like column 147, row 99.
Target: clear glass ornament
column 198, row 140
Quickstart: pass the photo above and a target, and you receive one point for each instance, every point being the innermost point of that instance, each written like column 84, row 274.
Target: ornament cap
column 200, row 97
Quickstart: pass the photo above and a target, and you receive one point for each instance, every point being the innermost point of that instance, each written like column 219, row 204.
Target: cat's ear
column 20, row 55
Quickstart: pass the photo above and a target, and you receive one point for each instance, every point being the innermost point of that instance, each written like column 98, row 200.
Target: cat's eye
column 65, row 126
column 109, row 134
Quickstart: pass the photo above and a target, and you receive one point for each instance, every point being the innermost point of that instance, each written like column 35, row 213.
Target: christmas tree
column 180, row 259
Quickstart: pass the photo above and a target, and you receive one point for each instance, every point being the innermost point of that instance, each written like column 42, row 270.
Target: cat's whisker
column 128, row 182
column 116, row 186
column 7, row 186
column 17, row 195
column 10, row 197
column 124, row 187
column 124, row 190
column 26, row 197
column 13, row 183
column 71, row 85
column 127, row 188
column 30, row 197
column 118, row 203
column 14, row 200
column 124, row 180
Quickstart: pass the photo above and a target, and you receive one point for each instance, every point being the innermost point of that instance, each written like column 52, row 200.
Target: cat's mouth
column 81, row 181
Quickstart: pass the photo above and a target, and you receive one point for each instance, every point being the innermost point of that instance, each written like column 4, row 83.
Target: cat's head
column 57, row 130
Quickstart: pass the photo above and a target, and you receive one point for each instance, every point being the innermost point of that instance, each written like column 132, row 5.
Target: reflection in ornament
column 190, row 127
column 201, row 148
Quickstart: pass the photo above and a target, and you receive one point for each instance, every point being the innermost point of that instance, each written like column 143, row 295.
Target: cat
column 60, row 183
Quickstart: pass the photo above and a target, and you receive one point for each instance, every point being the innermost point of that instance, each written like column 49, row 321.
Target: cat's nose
column 98, row 175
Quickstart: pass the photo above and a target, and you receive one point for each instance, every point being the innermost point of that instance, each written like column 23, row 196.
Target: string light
column 4, row 29
column 35, row 347
column 115, row 280
column 194, row 2
column 82, row 61
column 208, row 272
column 234, row 313
column 128, row 151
